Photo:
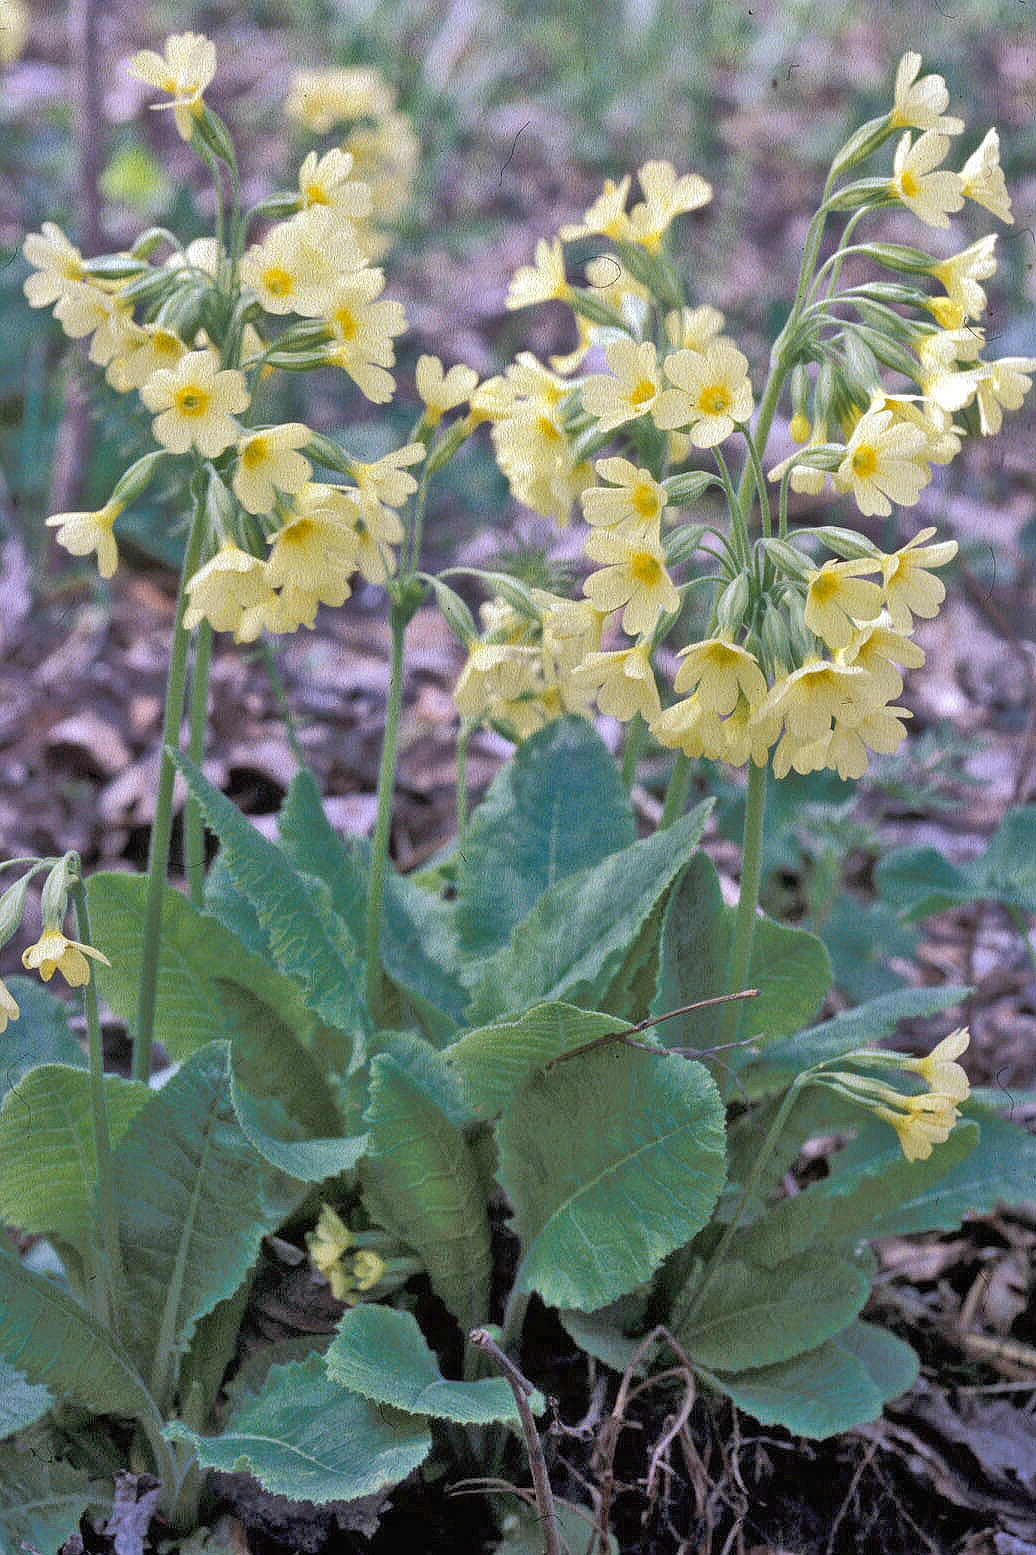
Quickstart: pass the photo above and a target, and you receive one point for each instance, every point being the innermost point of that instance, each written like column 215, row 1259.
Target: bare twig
column 624, row 1037
column 521, row 1387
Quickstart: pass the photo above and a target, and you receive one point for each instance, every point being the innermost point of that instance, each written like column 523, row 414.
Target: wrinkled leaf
column 492, row 1061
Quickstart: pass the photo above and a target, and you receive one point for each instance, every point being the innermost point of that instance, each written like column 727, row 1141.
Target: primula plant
column 555, row 1064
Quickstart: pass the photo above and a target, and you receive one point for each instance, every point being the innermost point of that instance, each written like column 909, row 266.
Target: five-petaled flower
column 185, row 71
column 55, row 952
column 195, row 404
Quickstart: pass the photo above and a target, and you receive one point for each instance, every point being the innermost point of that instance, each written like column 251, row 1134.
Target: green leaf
column 752, row 1316
column 775, row 1068
column 556, row 809
column 492, row 1061
column 843, row 1383
column 268, row 1128
column 309, row 1439
column 22, row 1402
column 41, row 1500
column 55, row 1342
column 1007, row 870
column 40, row 1035
column 861, row 938
column 381, row 1354
column 191, row 1208
column 309, row 941
column 48, row 1164
column 918, row 882
column 790, row 967
column 611, row 1161
column 575, row 1524
column 574, row 941
column 420, row 1180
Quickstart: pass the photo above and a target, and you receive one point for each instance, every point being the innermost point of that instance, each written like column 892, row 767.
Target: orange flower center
column 192, row 400
column 865, row 461
column 714, row 401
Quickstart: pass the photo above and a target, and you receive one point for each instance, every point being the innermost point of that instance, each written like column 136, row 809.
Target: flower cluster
column 54, row 951
column 356, row 1263
column 197, row 335
column 920, row 1120
column 802, row 660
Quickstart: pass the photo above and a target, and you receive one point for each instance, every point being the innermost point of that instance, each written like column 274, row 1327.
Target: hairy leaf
column 40, row 1035
column 492, row 1061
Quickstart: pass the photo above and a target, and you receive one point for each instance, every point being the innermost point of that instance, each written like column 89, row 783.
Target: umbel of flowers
column 809, row 628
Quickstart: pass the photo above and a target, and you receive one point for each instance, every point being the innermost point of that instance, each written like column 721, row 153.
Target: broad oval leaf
column 42, row 1500
column 843, row 1383
column 307, row 1438
column 48, row 1161
column 22, row 1402
column 40, row 1035
column 557, row 808
column 381, row 1353
column 492, row 1061
column 753, row 1316
column 421, row 1181
column 610, row 1161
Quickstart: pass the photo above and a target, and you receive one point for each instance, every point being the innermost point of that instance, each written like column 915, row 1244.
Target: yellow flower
column 883, row 460
column 961, row 274
column 925, row 1121
column 930, row 194
column 880, row 729
column 184, row 73
column 315, row 554
column 838, row 599
column 196, row 402
column 982, row 178
column 606, row 217
column 55, row 952
column 633, row 389
column 362, row 331
column 299, row 263
column 623, row 682
column 495, row 673
column 691, row 727
column 665, row 196
column 57, row 262
column 83, row 533
column 910, row 589
column 330, row 181
column 320, row 99
column 721, row 671
column 232, row 593
column 8, row 1006
column 14, row 30
column 542, row 281
column 386, row 154
column 812, row 696
column 713, row 393
column 939, row 1069
column 921, row 104
column 944, row 384
column 878, row 648
column 387, row 480
column 268, row 461
column 1002, row 385
column 571, row 629
column 329, row 1239
column 150, row 350
column 692, row 329
column 441, row 391
column 634, row 576
column 634, row 496
column 86, row 310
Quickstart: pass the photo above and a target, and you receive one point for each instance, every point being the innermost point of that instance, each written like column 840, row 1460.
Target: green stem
column 398, row 619
column 748, row 900
column 113, row 1274
column 636, row 736
column 193, row 825
column 715, row 1258
column 463, row 740
column 677, row 792
column 162, row 827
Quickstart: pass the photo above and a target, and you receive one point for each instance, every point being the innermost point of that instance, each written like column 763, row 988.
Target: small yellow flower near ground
column 921, row 104
column 883, row 461
column 362, row 331
column 320, row 99
column 633, row 389
column 57, row 263
column 543, row 280
column 83, row 533
column 931, row 193
column 1001, row 385
column 14, row 32
column 8, row 1006
column 623, row 682
column 910, row 589
column 606, row 217
column 961, row 274
column 721, row 672
column 713, row 393
column 55, row 952
column 838, row 599
column 982, row 178
column 633, row 496
column 195, row 403
column 268, row 461
column 666, row 196
column 939, row 1069
column 184, row 72
column 442, row 391
column 330, row 181
column 634, row 577
column 232, row 593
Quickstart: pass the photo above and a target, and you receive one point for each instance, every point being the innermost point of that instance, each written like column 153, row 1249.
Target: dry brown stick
column 521, row 1387
column 656, row 1020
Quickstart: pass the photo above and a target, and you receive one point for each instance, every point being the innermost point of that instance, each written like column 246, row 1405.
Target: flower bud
column 684, row 489
column 732, row 605
column 54, row 896
column 12, row 908
column 681, row 543
column 136, row 479
column 455, row 612
column 595, row 311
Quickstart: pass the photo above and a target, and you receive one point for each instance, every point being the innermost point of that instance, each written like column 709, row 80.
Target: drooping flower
column 930, row 192
column 721, row 672
column 55, row 952
column 910, row 588
column 543, row 280
column 184, row 72
column 879, row 649
column 939, row 1069
column 57, row 263
column 1001, row 385
column 362, row 331
column 8, row 1006
column 961, row 274
column 838, row 599
column 232, row 593
column 623, row 682
column 195, row 403
column 83, row 533
column 921, row 104
column 982, row 178
column 443, row 391
column 920, row 1122
column 713, row 393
